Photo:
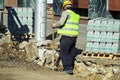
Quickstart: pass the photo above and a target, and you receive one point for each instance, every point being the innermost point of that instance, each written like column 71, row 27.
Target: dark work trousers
column 67, row 53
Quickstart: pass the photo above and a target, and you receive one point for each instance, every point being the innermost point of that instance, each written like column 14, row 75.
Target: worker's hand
column 52, row 25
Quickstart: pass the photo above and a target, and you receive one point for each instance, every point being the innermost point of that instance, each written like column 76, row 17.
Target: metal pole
column 40, row 20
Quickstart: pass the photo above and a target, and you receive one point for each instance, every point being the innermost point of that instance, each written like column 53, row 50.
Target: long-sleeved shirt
column 65, row 15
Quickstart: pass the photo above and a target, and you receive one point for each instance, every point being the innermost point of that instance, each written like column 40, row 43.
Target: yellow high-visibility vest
column 72, row 25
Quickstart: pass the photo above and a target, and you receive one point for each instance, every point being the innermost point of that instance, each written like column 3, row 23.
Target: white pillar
column 107, row 5
column 40, row 20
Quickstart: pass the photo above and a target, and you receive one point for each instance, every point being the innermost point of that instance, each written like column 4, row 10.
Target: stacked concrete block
column 20, row 20
column 103, row 35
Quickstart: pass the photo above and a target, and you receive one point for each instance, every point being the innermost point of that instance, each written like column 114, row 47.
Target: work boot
column 68, row 69
column 69, row 72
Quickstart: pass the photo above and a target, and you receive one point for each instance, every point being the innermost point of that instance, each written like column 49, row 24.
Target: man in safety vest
column 68, row 29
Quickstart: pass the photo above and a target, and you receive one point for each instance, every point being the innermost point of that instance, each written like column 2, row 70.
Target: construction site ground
column 20, row 70
column 11, row 70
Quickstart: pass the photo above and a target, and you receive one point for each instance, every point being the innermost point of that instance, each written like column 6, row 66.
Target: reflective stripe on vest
column 72, row 25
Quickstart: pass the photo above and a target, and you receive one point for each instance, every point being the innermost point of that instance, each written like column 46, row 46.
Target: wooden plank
column 101, row 55
column 23, row 36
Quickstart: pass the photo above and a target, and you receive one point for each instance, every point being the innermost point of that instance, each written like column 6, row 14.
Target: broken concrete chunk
column 31, row 51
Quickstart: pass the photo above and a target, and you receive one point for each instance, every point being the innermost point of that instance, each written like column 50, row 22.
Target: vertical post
column 53, row 56
column 40, row 20
column 107, row 5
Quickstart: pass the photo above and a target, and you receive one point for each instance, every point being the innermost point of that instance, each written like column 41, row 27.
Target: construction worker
column 68, row 29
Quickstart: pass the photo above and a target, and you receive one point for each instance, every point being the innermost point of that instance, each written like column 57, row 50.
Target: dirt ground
column 12, row 70
column 14, row 67
column 17, row 69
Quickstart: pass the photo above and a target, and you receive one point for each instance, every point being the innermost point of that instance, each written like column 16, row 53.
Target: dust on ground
column 19, row 70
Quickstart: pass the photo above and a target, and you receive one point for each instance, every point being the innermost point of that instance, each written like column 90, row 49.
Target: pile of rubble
column 89, row 68
column 29, row 51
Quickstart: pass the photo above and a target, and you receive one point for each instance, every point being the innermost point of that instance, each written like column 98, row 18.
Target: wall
column 10, row 3
column 80, row 3
column 114, row 5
